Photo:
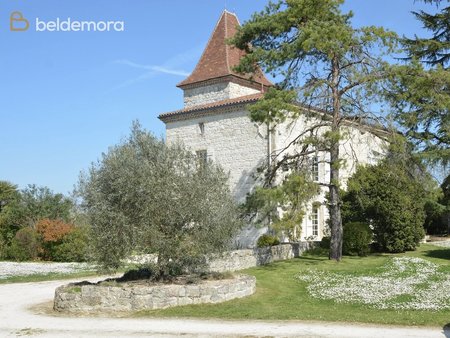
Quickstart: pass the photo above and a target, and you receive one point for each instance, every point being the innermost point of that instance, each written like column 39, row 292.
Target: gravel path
column 16, row 319
column 9, row 269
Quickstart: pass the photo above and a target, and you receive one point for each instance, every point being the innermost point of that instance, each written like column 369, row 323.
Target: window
column 315, row 169
column 202, row 157
column 201, row 127
column 315, row 221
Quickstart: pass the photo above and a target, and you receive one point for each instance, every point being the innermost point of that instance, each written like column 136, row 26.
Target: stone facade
column 90, row 298
column 241, row 146
column 229, row 139
column 215, row 92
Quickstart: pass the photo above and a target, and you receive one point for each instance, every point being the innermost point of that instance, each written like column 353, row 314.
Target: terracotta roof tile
column 219, row 58
column 218, row 104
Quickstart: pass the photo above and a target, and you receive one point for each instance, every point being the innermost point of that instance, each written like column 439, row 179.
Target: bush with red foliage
column 52, row 232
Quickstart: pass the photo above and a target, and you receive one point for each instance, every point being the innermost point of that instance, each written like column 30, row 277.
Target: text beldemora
column 69, row 25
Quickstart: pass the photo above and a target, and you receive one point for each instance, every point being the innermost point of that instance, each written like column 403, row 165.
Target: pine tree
column 419, row 91
column 435, row 50
column 328, row 72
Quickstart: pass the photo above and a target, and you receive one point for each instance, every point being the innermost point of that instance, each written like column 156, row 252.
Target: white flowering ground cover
column 15, row 269
column 408, row 283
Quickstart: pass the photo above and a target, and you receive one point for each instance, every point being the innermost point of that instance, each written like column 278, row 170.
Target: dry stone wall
column 90, row 298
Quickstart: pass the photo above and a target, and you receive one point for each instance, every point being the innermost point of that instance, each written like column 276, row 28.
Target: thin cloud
column 156, row 69
column 171, row 66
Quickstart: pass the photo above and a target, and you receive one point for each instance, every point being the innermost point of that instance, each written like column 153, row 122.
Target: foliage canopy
column 389, row 199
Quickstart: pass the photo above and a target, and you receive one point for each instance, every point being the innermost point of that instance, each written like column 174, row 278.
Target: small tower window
column 201, row 128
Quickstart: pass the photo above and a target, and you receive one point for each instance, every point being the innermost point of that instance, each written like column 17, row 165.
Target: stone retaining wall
column 244, row 259
column 75, row 298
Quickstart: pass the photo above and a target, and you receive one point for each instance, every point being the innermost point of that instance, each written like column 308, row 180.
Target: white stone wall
column 231, row 140
column 236, row 90
column 213, row 93
column 360, row 147
column 240, row 147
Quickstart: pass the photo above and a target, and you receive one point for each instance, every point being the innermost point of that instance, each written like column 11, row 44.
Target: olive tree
column 146, row 196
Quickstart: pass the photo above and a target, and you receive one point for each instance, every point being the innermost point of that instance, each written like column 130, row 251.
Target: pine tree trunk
column 334, row 200
column 334, row 207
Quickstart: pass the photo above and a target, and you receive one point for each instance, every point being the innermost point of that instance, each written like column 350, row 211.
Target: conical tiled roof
column 219, row 58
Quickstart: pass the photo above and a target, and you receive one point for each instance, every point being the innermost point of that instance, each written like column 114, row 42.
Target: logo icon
column 17, row 22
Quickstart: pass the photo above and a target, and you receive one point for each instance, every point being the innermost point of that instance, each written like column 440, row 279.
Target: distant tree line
column 36, row 223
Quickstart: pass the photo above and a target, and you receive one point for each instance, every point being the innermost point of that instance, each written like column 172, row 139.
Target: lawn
column 283, row 295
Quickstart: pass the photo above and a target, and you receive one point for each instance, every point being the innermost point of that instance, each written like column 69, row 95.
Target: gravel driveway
column 16, row 319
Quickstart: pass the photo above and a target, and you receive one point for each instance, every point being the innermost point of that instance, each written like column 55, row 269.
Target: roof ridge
column 226, row 45
column 207, row 43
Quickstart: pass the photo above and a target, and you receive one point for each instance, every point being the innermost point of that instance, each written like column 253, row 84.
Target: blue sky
column 66, row 96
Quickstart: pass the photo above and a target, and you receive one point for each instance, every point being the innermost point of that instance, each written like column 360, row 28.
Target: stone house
column 214, row 123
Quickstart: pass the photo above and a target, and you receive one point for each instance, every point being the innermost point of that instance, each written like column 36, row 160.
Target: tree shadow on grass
column 439, row 253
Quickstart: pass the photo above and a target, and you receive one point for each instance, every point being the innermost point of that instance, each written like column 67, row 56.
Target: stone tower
column 214, row 79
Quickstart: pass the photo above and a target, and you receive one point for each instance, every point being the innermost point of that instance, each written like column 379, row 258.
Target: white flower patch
column 11, row 269
column 405, row 283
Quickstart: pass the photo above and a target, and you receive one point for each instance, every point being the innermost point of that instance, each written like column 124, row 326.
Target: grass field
column 281, row 295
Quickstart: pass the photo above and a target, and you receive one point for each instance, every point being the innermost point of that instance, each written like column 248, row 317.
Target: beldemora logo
column 18, row 23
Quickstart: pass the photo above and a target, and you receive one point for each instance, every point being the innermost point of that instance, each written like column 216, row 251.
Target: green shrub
column 392, row 200
column 435, row 218
column 25, row 245
column 357, row 239
column 267, row 240
column 74, row 246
